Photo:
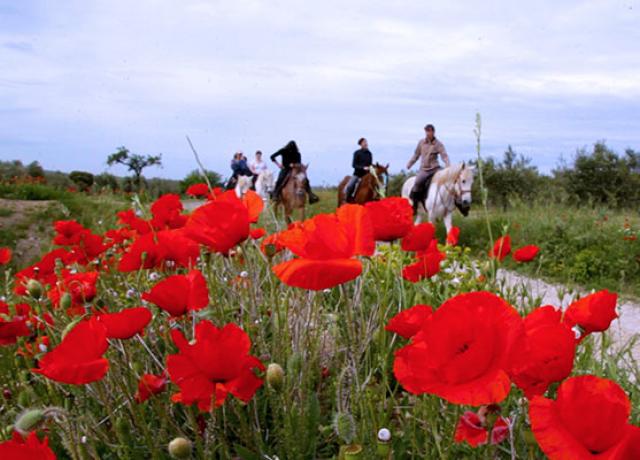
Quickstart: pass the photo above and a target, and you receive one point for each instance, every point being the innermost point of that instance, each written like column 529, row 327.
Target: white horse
column 450, row 188
column 265, row 184
column 243, row 184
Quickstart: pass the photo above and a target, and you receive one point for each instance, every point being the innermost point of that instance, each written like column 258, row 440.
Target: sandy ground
column 623, row 329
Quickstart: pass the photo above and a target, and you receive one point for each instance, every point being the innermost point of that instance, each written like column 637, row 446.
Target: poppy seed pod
column 180, row 448
column 34, row 288
column 383, row 448
column 275, row 375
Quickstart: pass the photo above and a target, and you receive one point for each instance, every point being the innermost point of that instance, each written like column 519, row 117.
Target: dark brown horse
column 369, row 188
column 294, row 192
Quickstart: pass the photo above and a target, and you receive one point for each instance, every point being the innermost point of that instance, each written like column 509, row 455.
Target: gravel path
column 623, row 329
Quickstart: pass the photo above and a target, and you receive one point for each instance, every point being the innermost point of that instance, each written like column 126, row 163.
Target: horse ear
column 387, row 167
column 464, row 165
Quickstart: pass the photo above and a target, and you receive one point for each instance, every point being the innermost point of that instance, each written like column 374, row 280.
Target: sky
column 80, row 78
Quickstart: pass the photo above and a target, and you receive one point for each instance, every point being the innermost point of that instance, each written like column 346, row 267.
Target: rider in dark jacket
column 290, row 156
column 239, row 167
column 362, row 161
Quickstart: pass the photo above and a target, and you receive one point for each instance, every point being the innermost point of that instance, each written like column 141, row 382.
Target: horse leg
column 448, row 221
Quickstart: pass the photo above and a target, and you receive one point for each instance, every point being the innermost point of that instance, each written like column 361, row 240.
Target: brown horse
column 294, row 192
column 369, row 187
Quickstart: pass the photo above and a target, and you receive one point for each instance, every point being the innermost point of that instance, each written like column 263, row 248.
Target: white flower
column 131, row 293
column 153, row 276
column 43, row 348
column 244, row 274
column 576, row 331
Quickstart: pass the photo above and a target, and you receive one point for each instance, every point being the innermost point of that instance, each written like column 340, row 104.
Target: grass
column 337, row 357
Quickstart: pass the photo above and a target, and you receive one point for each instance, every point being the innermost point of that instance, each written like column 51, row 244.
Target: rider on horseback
column 290, row 156
column 257, row 166
column 362, row 161
column 427, row 150
column 239, row 167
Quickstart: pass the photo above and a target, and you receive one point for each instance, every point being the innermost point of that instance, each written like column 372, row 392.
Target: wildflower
column 29, row 448
column 473, row 428
column 167, row 212
column 215, row 364
column 178, row 294
column 544, row 353
column 150, row 385
column 408, row 322
column 427, row 264
column 501, row 248
column 392, row 218
column 526, row 253
column 592, row 313
column 588, row 419
column 326, row 245
column 165, row 248
column 419, row 238
column 198, row 190
column 78, row 358
column 126, row 323
column 453, row 236
column 461, row 352
column 5, row 256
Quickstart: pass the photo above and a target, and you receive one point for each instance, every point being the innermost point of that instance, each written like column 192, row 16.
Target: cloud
column 81, row 79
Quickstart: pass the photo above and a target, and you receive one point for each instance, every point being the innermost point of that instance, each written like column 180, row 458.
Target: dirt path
column 623, row 328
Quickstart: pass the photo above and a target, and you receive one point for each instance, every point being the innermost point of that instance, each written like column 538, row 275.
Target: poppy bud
column 270, row 250
column 34, row 288
column 6, row 393
column 29, row 421
column 65, row 301
column 180, row 448
column 275, row 375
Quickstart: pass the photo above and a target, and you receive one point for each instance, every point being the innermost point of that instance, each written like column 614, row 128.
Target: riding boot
column 313, row 198
column 415, row 202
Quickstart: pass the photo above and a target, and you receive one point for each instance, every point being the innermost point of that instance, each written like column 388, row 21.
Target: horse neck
column 443, row 194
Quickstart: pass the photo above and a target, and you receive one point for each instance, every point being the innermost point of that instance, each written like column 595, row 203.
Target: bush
column 83, row 179
column 195, row 177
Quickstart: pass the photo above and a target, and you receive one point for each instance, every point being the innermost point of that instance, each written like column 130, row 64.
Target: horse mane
column 448, row 175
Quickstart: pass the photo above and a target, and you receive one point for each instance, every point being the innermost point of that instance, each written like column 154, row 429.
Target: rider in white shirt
column 257, row 166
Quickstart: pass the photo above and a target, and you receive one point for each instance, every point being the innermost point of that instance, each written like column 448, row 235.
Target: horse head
column 243, row 185
column 299, row 178
column 462, row 188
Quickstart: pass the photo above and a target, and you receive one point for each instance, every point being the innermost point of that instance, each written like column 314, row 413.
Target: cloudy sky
column 80, row 78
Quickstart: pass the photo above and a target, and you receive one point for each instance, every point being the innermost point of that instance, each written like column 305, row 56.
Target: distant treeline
column 18, row 173
column 598, row 176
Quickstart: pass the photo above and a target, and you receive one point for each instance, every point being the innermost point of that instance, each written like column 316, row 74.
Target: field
column 167, row 335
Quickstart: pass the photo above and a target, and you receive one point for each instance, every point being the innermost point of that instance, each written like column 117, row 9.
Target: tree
column 134, row 162
column 35, row 170
column 83, row 179
column 106, row 181
column 195, row 177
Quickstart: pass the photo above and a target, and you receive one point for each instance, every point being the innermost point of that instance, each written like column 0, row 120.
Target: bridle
column 385, row 182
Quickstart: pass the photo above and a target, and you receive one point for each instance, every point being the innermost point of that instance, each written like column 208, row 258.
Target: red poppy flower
column 200, row 189
column 5, row 256
column 178, row 294
column 129, row 219
column 157, row 250
column 419, row 238
column 167, row 212
column 43, row 270
column 593, row 313
column 257, row 233
column 526, row 253
column 461, row 353
column 89, row 247
column 270, row 246
column 69, row 232
column 78, row 358
column 588, row 419
column 392, row 218
column 544, row 353
column 220, row 224
column 254, row 205
column 11, row 329
column 29, row 448
column 325, row 245
column 501, row 248
column 150, row 385
column 426, row 265
column 453, row 236
column 408, row 322
column 126, row 323
column 470, row 428
column 216, row 364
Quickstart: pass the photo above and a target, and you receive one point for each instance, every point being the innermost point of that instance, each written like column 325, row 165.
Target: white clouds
column 248, row 72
